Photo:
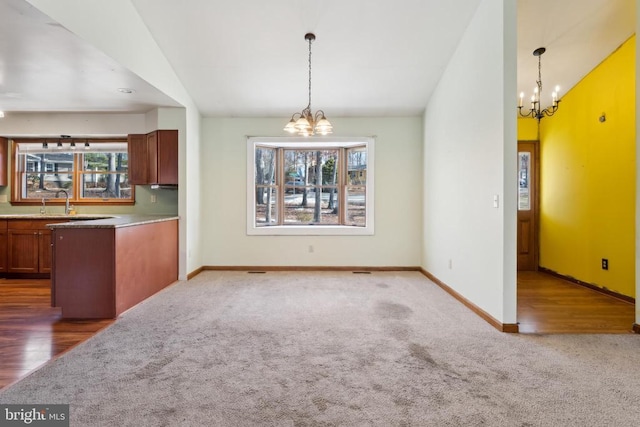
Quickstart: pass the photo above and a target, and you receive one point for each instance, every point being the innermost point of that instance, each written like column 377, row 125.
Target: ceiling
column 249, row 58
column 44, row 67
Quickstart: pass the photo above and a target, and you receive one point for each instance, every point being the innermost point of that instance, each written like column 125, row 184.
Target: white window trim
column 309, row 230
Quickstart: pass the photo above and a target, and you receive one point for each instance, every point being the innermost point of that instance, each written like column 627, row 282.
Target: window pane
column 55, row 161
column 266, row 206
column 105, row 186
column 357, row 166
column 44, row 169
column 356, row 206
column 301, row 208
column 524, row 187
column 296, row 165
column 99, row 181
column 265, row 166
column 46, row 185
column 294, row 187
column 105, row 162
column 300, row 167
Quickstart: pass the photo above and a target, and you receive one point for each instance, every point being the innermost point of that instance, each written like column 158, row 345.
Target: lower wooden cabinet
column 23, row 251
column 28, row 247
column 129, row 265
column 44, row 251
column 3, row 246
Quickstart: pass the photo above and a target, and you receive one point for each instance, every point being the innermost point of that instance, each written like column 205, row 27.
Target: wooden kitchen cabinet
column 153, row 158
column 28, row 247
column 138, row 159
column 130, row 264
column 4, row 165
column 3, row 246
column 44, row 251
column 22, row 251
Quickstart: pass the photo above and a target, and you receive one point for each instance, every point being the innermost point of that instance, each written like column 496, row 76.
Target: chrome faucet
column 43, row 209
column 66, row 204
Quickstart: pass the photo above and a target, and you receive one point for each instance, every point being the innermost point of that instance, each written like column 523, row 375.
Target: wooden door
column 167, row 156
column 3, row 245
column 152, row 157
column 44, row 251
column 23, row 251
column 138, row 159
column 527, row 205
column 3, row 251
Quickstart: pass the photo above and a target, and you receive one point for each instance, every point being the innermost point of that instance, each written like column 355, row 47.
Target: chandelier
column 306, row 123
column 536, row 110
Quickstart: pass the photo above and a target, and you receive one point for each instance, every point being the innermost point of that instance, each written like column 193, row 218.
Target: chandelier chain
column 539, row 75
column 306, row 122
column 309, row 105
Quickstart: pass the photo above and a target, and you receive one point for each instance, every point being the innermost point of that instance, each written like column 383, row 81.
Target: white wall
column 90, row 125
column 470, row 145
column 75, row 124
column 115, row 27
column 186, row 121
column 398, row 208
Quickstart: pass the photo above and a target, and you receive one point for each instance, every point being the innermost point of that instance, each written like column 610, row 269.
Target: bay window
column 313, row 187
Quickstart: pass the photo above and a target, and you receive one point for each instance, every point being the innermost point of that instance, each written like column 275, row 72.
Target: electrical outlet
column 154, row 198
column 311, row 249
column 605, row 264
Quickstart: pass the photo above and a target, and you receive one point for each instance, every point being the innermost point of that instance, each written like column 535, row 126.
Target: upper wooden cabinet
column 153, row 158
column 4, row 144
column 138, row 159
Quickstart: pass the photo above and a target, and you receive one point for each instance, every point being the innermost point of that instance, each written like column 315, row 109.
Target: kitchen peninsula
column 25, row 243
column 101, row 268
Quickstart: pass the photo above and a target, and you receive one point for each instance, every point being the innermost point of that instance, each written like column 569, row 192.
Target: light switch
column 496, row 201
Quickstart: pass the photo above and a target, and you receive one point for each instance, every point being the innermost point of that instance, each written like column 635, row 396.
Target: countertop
column 55, row 216
column 115, row 221
column 94, row 220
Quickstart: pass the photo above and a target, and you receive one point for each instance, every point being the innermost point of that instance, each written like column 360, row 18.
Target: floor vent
column 256, row 272
column 361, row 272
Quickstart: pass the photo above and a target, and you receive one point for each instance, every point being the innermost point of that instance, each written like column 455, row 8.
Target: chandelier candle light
column 536, row 110
column 306, row 123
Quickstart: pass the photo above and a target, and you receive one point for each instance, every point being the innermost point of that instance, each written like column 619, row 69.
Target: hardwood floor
column 547, row 304
column 32, row 332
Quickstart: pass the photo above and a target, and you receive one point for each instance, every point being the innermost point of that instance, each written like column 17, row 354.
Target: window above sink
column 91, row 171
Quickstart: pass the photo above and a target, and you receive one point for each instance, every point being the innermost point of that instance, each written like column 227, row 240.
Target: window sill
column 311, row 230
column 50, row 202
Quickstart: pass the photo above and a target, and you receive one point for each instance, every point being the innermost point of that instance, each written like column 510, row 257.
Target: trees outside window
column 91, row 172
column 302, row 187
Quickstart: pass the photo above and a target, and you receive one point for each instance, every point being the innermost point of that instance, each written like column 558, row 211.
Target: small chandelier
column 306, row 123
column 536, row 110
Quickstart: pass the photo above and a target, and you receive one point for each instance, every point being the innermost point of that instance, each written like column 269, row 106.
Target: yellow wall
column 587, row 205
column 527, row 129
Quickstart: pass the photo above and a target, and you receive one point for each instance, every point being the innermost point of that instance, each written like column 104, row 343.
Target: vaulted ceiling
column 249, row 58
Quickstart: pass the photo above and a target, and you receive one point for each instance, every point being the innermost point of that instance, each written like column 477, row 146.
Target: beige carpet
column 332, row 349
